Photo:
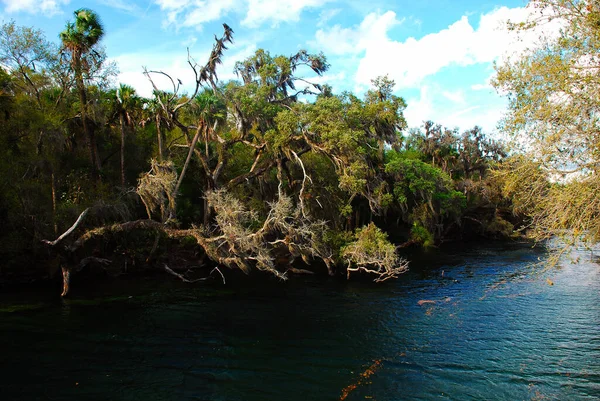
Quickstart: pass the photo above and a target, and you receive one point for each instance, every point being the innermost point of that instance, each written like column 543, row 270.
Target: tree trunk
column 66, row 272
column 122, row 121
column 184, row 169
column 207, row 209
column 160, row 141
column 89, row 133
column 53, row 183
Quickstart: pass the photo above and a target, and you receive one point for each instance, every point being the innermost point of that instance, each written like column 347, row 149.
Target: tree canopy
column 271, row 171
column 554, row 97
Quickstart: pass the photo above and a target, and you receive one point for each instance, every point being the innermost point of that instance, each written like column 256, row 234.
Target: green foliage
column 370, row 240
column 253, row 169
column 338, row 240
column 500, row 228
column 421, row 235
column 554, row 97
column 84, row 33
column 371, row 251
column 417, row 183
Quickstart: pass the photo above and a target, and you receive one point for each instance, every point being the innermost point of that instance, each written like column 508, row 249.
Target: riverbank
column 185, row 260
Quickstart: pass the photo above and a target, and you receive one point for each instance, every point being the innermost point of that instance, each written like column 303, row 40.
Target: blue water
column 497, row 330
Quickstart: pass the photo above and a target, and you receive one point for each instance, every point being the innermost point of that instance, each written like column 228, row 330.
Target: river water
column 490, row 325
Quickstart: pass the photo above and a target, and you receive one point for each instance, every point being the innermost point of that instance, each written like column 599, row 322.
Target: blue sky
column 439, row 52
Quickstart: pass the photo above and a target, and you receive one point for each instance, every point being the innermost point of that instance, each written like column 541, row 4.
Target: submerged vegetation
column 274, row 171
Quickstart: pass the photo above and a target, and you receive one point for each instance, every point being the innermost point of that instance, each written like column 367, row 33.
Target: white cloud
column 131, row 71
column 45, row 7
column 276, row 11
column 326, row 15
column 481, row 87
column 410, row 61
column 415, row 62
column 194, row 13
column 457, row 97
column 486, row 117
column 464, row 112
column 123, row 5
column 419, row 109
column 190, row 41
column 372, row 29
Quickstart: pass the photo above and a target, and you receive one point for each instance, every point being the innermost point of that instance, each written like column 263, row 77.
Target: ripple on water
column 492, row 328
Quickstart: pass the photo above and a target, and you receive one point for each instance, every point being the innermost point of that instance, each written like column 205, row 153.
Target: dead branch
column 182, row 277
column 156, row 188
column 219, row 271
column 69, row 231
column 304, row 177
column 187, row 160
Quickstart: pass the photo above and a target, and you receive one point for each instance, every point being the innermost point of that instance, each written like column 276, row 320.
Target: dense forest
column 272, row 171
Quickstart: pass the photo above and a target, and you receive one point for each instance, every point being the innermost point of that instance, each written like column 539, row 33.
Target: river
column 477, row 323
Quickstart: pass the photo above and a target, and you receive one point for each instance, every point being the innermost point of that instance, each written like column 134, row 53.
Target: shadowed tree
column 79, row 38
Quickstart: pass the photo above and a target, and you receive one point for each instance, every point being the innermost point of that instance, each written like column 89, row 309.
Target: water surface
column 493, row 327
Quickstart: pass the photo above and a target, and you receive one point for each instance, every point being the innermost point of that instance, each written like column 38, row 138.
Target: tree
column 371, row 252
column 154, row 111
column 80, row 39
column 127, row 103
column 261, row 127
column 554, row 120
column 31, row 57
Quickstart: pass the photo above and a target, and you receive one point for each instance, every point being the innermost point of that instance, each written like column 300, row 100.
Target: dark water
column 497, row 330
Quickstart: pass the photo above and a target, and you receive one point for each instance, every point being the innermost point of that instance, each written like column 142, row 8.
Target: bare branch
column 182, row 277
column 69, row 231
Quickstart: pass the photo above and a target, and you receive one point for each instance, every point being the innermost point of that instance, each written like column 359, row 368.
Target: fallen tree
column 239, row 239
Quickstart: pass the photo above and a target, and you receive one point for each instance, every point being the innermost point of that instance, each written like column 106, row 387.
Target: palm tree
column 208, row 109
column 127, row 103
column 79, row 38
column 205, row 110
column 154, row 111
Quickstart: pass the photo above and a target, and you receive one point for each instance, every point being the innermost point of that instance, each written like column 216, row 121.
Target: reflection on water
column 470, row 324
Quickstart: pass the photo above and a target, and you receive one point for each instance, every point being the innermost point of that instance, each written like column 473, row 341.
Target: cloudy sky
column 440, row 53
